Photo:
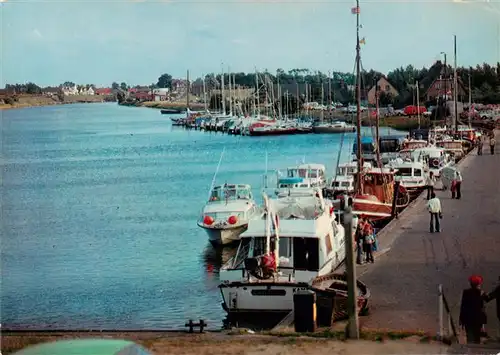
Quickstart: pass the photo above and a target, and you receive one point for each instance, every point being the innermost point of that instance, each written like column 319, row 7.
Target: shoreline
column 27, row 101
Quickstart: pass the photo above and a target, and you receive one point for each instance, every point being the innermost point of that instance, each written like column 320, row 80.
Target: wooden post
column 352, row 290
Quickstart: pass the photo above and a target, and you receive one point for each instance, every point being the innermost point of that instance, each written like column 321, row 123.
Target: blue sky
column 49, row 42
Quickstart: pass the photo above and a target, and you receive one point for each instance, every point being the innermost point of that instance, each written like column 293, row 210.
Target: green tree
column 115, row 86
column 124, row 86
column 164, row 81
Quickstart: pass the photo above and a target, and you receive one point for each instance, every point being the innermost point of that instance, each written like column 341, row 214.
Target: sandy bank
column 40, row 100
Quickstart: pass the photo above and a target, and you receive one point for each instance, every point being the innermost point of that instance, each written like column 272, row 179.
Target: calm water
column 100, row 204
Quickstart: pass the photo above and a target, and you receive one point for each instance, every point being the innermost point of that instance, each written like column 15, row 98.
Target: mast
column 455, row 82
column 322, row 100
column 377, row 123
column 187, row 94
column 230, row 92
column 330, row 94
column 470, row 99
column 205, row 94
column 222, row 91
column 418, row 105
column 298, row 97
column 257, row 98
column 358, row 187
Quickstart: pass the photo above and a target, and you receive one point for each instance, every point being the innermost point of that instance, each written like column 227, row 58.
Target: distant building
column 161, row 94
column 441, row 87
column 383, row 85
column 70, row 90
column 103, row 91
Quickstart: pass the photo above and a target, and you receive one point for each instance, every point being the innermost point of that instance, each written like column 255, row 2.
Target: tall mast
column 230, row 92
column 205, row 94
column 359, row 187
column 322, row 99
column 188, row 86
column 455, row 82
column 329, row 93
column 222, row 91
column 377, row 123
column 470, row 97
column 418, row 104
column 257, row 99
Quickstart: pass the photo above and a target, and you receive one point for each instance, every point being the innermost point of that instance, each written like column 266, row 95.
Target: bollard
column 304, row 303
column 192, row 324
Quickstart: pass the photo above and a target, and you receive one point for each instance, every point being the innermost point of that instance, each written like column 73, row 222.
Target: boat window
column 417, row 172
column 313, row 174
column 306, row 254
column 303, row 185
column 302, row 173
column 242, row 252
column 335, row 184
column 389, row 145
column 346, row 184
column 259, row 246
column 321, row 173
column 285, row 248
column 341, row 171
column 403, row 172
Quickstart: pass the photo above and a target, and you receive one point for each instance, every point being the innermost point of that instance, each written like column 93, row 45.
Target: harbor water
column 100, row 204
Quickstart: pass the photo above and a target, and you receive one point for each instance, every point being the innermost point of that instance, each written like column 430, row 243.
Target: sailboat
column 374, row 190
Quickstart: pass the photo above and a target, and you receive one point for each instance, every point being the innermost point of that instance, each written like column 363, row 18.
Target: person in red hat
column 472, row 312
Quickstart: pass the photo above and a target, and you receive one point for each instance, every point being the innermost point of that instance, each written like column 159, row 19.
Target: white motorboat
column 226, row 214
column 435, row 158
column 334, row 127
column 297, row 241
column 411, row 174
column 343, row 182
column 303, row 177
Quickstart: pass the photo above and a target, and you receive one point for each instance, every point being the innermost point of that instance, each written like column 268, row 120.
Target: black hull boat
column 171, row 111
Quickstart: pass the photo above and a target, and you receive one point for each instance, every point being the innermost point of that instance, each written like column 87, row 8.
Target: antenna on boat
column 265, row 176
column 216, row 172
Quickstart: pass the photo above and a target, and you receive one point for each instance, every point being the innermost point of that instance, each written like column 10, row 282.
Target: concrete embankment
column 404, row 280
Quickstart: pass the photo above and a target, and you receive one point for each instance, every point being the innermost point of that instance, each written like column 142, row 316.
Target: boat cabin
column 367, row 149
column 414, row 144
column 305, row 176
column 231, row 192
column 389, row 147
column 452, row 146
column 411, row 174
column 304, row 248
column 379, row 182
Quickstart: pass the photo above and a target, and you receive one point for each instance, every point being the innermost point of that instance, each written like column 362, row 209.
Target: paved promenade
column 404, row 281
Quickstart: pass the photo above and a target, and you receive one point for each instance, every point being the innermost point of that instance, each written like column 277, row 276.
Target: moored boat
column 334, row 127
column 226, row 214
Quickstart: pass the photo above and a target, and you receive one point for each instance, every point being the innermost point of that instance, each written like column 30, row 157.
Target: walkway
column 404, row 281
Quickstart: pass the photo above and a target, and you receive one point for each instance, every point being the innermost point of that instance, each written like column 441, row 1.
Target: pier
column 412, row 262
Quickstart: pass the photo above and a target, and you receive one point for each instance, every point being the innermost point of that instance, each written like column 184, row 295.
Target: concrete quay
column 412, row 262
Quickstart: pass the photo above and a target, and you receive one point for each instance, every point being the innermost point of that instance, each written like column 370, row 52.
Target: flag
column 355, row 10
column 362, row 41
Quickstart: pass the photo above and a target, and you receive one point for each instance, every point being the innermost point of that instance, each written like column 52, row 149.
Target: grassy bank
column 243, row 343
column 41, row 100
column 173, row 105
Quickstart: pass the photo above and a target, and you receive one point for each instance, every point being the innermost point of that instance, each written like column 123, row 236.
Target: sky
column 97, row 42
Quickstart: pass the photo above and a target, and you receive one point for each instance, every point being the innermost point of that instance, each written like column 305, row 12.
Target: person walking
column 495, row 295
column 360, row 241
column 456, row 186
column 430, row 184
column 479, row 145
column 472, row 315
column 369, row 239
column 492, row 144
column 434, row 206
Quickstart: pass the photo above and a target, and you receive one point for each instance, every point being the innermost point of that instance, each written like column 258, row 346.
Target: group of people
column 473, row 311
column 479, row 143
column 366, row 241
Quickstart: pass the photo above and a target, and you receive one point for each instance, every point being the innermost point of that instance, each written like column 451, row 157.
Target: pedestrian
column 368, row 242
column 434, row 206
column 472, row 313
column 430, row 184
column 479, row 145
column 492, row 144
column 456, row 185
column 495, row 295
column 359, row 241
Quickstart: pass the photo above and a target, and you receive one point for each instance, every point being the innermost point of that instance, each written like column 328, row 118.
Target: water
column 100, row 204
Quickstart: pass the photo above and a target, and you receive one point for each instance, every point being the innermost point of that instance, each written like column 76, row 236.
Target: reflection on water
column 215, row 257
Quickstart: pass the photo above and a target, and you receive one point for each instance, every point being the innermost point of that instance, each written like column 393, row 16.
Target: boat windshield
column 403, row 172
column 231, row 192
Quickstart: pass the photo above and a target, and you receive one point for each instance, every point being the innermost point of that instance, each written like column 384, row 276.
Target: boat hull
column 224, row 236
column 273, row 132
column 333, row 129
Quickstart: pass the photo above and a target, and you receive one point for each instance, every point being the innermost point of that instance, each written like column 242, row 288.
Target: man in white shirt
column 430, row 184
column 434, row 206
column 492, row 144
column 456, row 191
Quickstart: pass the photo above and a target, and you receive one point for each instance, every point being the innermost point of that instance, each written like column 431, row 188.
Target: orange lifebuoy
column 435, row 163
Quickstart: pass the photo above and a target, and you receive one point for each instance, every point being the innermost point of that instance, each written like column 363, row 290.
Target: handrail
column 444, row 310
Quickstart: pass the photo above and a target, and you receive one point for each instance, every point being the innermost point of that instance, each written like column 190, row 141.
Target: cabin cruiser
column 454, row 147
column 334, row 127
column 411, row 174
column 435, row 158
column 343, row 182
column 297, row 241
column 302, row 177
column 227, row 212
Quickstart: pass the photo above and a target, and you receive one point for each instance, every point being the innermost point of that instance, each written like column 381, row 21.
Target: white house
column 71, row 90
column 161, row 94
